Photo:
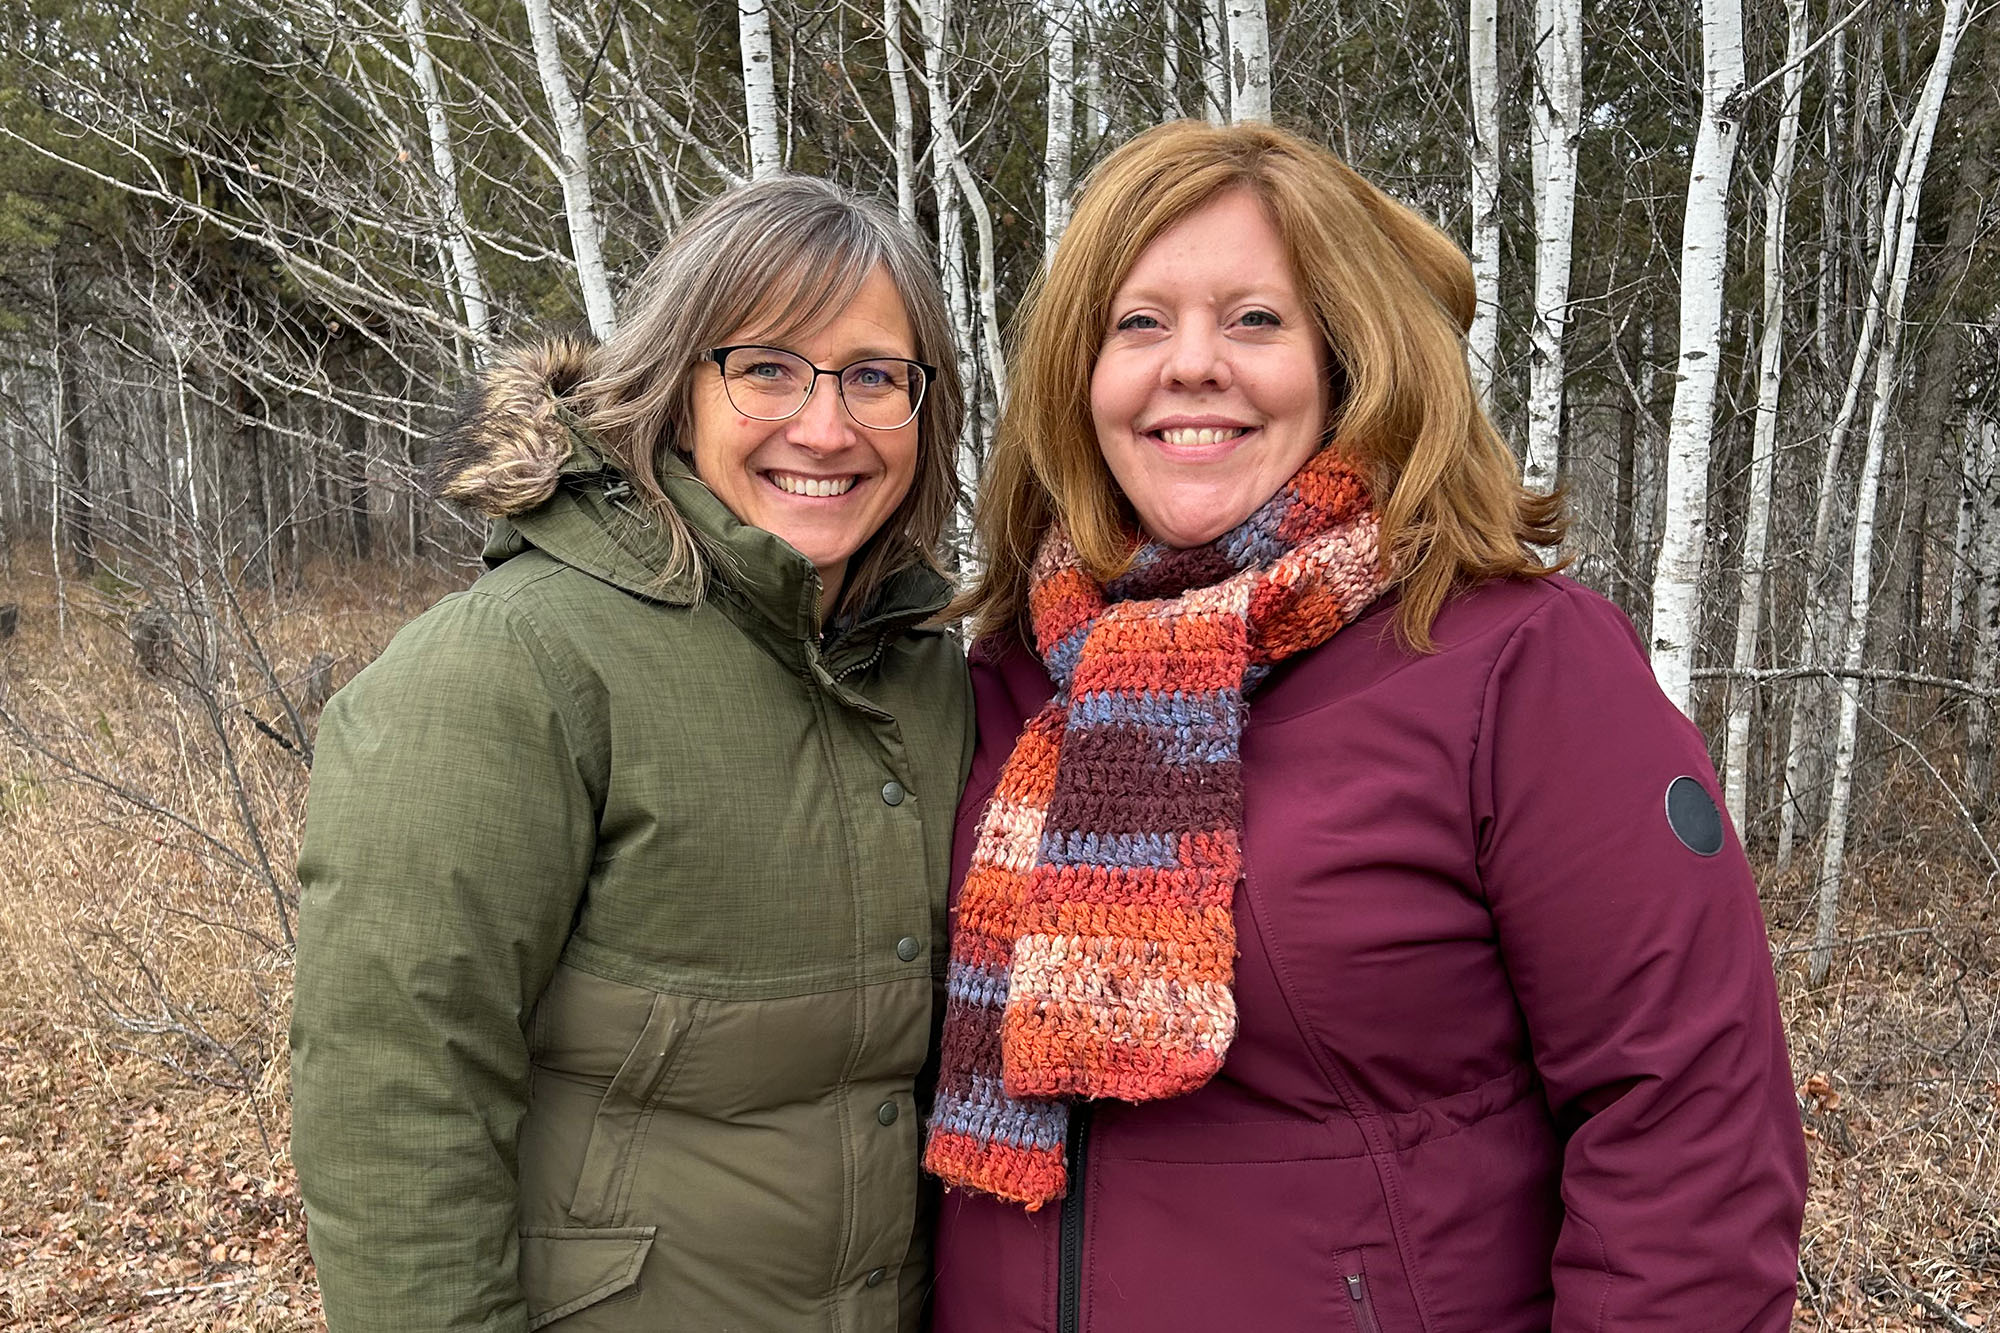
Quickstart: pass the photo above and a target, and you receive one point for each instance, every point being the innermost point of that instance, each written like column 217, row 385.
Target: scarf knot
column 1093, row 944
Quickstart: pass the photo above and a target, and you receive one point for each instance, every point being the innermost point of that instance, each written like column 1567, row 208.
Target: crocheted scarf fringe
column 1093, row 945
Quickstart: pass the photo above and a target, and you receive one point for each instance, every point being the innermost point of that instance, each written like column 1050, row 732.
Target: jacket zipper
column 1069, row 1255
column 881, row 646
column 1364, row 1313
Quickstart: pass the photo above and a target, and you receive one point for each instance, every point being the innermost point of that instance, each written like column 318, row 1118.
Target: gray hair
column 782, row 256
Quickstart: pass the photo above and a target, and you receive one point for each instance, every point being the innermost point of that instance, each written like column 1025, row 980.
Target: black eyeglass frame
column 720, row 356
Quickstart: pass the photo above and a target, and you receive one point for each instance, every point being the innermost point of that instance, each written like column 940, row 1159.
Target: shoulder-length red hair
column 1393, row 297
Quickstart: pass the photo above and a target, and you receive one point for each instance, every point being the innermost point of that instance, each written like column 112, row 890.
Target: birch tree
column 904, row 144
column 760, row 90
column 1249, row 62
column 586, row 233
column 468, row 280
column 1483, row 61
column 1704, row 255
column 1215, row 59
column 1557, row 100
column 1059, row 20
column 1983, row 546
column 1909, row 184
column 1820, row 629
column 1764, row 447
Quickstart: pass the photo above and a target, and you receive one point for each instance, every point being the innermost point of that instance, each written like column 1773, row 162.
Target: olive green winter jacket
column 622, row 915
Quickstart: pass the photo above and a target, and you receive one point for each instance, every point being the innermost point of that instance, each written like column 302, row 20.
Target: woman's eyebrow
column 1150, row 296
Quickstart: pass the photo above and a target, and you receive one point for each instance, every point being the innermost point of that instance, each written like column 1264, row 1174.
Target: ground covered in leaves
column 147, row 830
column 144, row 1207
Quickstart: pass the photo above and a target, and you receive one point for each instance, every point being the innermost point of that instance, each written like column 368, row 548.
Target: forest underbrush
column 149, row 823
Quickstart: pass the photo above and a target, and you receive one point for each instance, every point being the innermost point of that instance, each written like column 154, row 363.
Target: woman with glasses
column 624, row 869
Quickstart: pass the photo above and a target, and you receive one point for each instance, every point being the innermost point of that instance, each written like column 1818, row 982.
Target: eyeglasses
column 771, row 384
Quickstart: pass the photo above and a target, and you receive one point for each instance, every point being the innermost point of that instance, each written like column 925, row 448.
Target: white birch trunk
column 466, row 277
column 1483, row 60
column 1060, row 23
column 905, row 130
column 1170, row 60
column 1820, row 630
column 1557, row 100
column 1096, row 106
column 1983, row 450
column 1764, row 447
column 1704, row 255
column 1215, row 60
column 586, row 233
column 935, row 18
column 1249, row 62
column 1854, row 639
column 760, row 88
column 1829, row 203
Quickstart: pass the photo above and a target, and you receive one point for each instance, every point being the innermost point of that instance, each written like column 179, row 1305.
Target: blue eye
column 1262, row 319
column 1137, row 322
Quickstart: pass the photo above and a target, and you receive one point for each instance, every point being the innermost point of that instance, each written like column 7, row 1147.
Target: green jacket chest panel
column 764, row 830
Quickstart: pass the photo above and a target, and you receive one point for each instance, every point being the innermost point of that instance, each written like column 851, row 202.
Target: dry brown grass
column 1898, row 1058
column 144, row 1180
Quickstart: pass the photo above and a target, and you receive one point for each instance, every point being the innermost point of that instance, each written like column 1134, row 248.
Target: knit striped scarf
column 1093, row 947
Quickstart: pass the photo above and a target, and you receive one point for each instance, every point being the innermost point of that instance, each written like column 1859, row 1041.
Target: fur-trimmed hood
column 507, row 443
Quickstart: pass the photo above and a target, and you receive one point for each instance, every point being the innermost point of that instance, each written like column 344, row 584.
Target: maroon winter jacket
column 1509, row 1055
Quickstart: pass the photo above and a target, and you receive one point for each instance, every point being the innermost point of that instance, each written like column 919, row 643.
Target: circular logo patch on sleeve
column 1692, row 815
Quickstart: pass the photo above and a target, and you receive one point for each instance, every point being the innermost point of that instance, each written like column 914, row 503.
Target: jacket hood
column 508, row 443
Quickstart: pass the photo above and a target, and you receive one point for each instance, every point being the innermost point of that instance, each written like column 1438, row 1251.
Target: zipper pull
column 1354, row 1292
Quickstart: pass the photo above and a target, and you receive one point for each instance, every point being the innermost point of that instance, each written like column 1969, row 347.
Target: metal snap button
column 875, row 1276
column 892, row 793
column 907, row 948
column 887, row 1113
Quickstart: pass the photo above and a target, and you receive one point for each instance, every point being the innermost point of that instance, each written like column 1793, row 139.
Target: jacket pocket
column 617, row 1132
column 567, row 1269
column 1354, row 1290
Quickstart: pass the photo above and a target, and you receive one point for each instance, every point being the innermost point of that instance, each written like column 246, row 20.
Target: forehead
column 865, row 314
column 1231, row 241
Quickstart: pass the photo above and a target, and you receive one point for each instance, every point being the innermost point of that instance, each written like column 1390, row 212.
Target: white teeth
column 791, row 483
column 1200, row 435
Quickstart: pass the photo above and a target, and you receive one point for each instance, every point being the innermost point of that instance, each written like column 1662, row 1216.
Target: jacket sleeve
column 449, row 834
column 1643, row 971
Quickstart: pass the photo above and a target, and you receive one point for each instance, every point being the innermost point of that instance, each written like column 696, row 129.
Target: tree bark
column 586, row 231
column 1983, row 467
column 1483, row 62
column 906, row 130
column 760, row 90
column 470, row 282
column 1803, row 751
column 1215, row 59
column 1704, row 256
column 72, row 443
column 1557, row 99
column 1764, row 448
column 1854, row 640
column 935, row 17
column 1059, row 21
column 1249, row 62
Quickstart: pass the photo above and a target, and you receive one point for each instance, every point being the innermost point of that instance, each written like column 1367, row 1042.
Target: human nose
column 1197, row 356
column 822, row 424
